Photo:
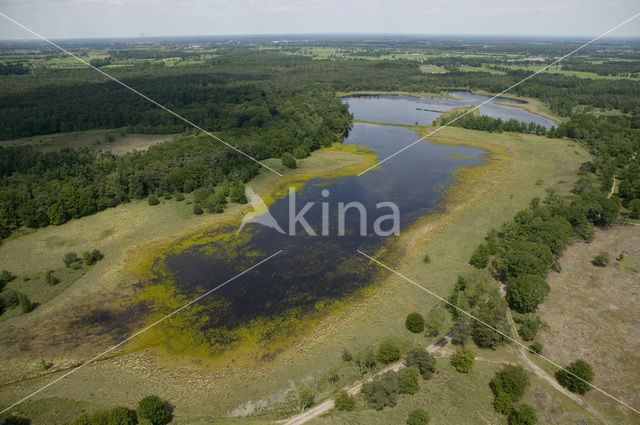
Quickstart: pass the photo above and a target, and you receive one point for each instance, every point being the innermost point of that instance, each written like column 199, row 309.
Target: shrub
column 153, row 200
column 382, row 391
column 50, row 279
column 333, row 376
column 301, row 151
column 512, row 380
column 426, row 259
column 69, row 258
column 306, row 398
column 582, row 371
column 523, row 415
column 236, row 193
column 90, row 258
column 529, row 328
column 526, row 291
column 179, row 197
column 602, row 260
column 25, row 304
column 346, row 355
column 536, row 347
column 366, row 360
column 99, row 417
column 462, row 360
column 502, row 402
column 343, row 401
column 155, row 410
column 424, row 361
column 15, row 420
column 418, row 417
column 634, row 208
column 480, row 257
column 197, row 209
column 289, row 161
column 414, row 323
column 388, row 352
column 11, row 298
column 122, row 416
column 434, row 320
column 5, row 277
column 408, row 380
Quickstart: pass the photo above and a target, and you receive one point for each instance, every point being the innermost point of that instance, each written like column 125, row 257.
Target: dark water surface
column 315, row 269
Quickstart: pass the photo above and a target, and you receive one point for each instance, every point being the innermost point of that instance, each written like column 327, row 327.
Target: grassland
column 116, row 140
column 556, row 69
column 482, row 197
column 595, row 311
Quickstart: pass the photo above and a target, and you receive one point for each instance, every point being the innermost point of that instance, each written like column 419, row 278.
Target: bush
column 408, row 380
column 236, row 193
column 11, row 298
column 155, row 410
column 5, row 277
column 289, row 161
column 388, row 352
column 50, row 279
column 343, row 401
column 366, row 360
column 502, row 402
column 536, row 347
column 122, row 416
column 153, row 200
column 529, row 328
column 602, row 260
column 99, row 417
column 480, row 257
column 179, row 197
column 511, row 380
column 197, row 209
column 418, row 417
column 301, row 152
column 526, row 291
column 382, row 391
column 306, row 398
column 634, row 209
column 71, row 260
column 414, row 323
column 424, row 361
column 90, row 258
column 434, row 320
column 582, row 371
column 15, row 420
column 462, row 360
column 346, row 355
column 25, row 304
column 524, row 415
column 426, row 259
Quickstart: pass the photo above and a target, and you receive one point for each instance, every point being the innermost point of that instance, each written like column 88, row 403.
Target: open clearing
column 593, row 314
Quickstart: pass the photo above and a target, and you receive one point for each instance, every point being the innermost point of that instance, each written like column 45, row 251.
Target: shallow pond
column 314, row 270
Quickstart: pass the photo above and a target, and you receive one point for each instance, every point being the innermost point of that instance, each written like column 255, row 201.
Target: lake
column 314, row 270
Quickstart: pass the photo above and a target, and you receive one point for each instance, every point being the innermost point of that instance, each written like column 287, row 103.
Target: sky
column 135, row 18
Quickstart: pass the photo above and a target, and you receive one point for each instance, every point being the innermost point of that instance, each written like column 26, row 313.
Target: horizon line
column 296, row 36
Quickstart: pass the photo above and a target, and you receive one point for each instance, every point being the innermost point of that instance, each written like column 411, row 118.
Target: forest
column 265, row 103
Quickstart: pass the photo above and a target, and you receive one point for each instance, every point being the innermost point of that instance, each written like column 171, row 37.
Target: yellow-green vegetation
column 534, row 106
column 482, row 197
column 555, row 69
